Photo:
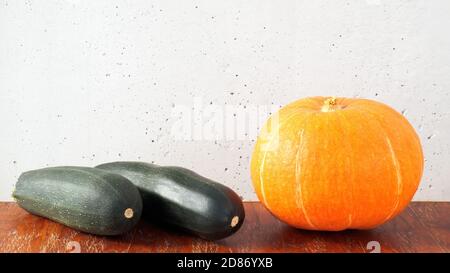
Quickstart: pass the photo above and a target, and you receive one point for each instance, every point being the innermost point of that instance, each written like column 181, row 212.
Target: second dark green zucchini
column 184, row 199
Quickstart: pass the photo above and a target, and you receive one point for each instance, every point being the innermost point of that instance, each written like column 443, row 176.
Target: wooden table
column 422, row 227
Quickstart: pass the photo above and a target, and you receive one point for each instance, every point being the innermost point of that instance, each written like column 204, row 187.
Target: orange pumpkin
column 326, row 163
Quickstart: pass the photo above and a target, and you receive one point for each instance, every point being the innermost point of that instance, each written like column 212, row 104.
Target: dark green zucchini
column 87, row 199
column 182, row 198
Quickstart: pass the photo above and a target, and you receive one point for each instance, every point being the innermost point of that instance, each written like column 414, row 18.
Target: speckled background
column 84, row 82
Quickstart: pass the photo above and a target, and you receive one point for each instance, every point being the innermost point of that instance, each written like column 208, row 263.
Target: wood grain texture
column 422, row 227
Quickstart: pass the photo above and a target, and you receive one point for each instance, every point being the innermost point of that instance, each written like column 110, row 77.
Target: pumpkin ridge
column 396, row 166
column 261, row 169
column 399, row 177
column 352, row 201
column 297, row 179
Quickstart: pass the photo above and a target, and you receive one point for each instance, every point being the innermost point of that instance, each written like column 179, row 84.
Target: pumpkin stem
column 329, row 104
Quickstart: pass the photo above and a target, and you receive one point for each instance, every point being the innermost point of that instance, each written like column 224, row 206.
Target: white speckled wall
column 84, row 82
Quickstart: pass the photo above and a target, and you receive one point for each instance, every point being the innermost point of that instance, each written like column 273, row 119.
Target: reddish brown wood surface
column 422, row 227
